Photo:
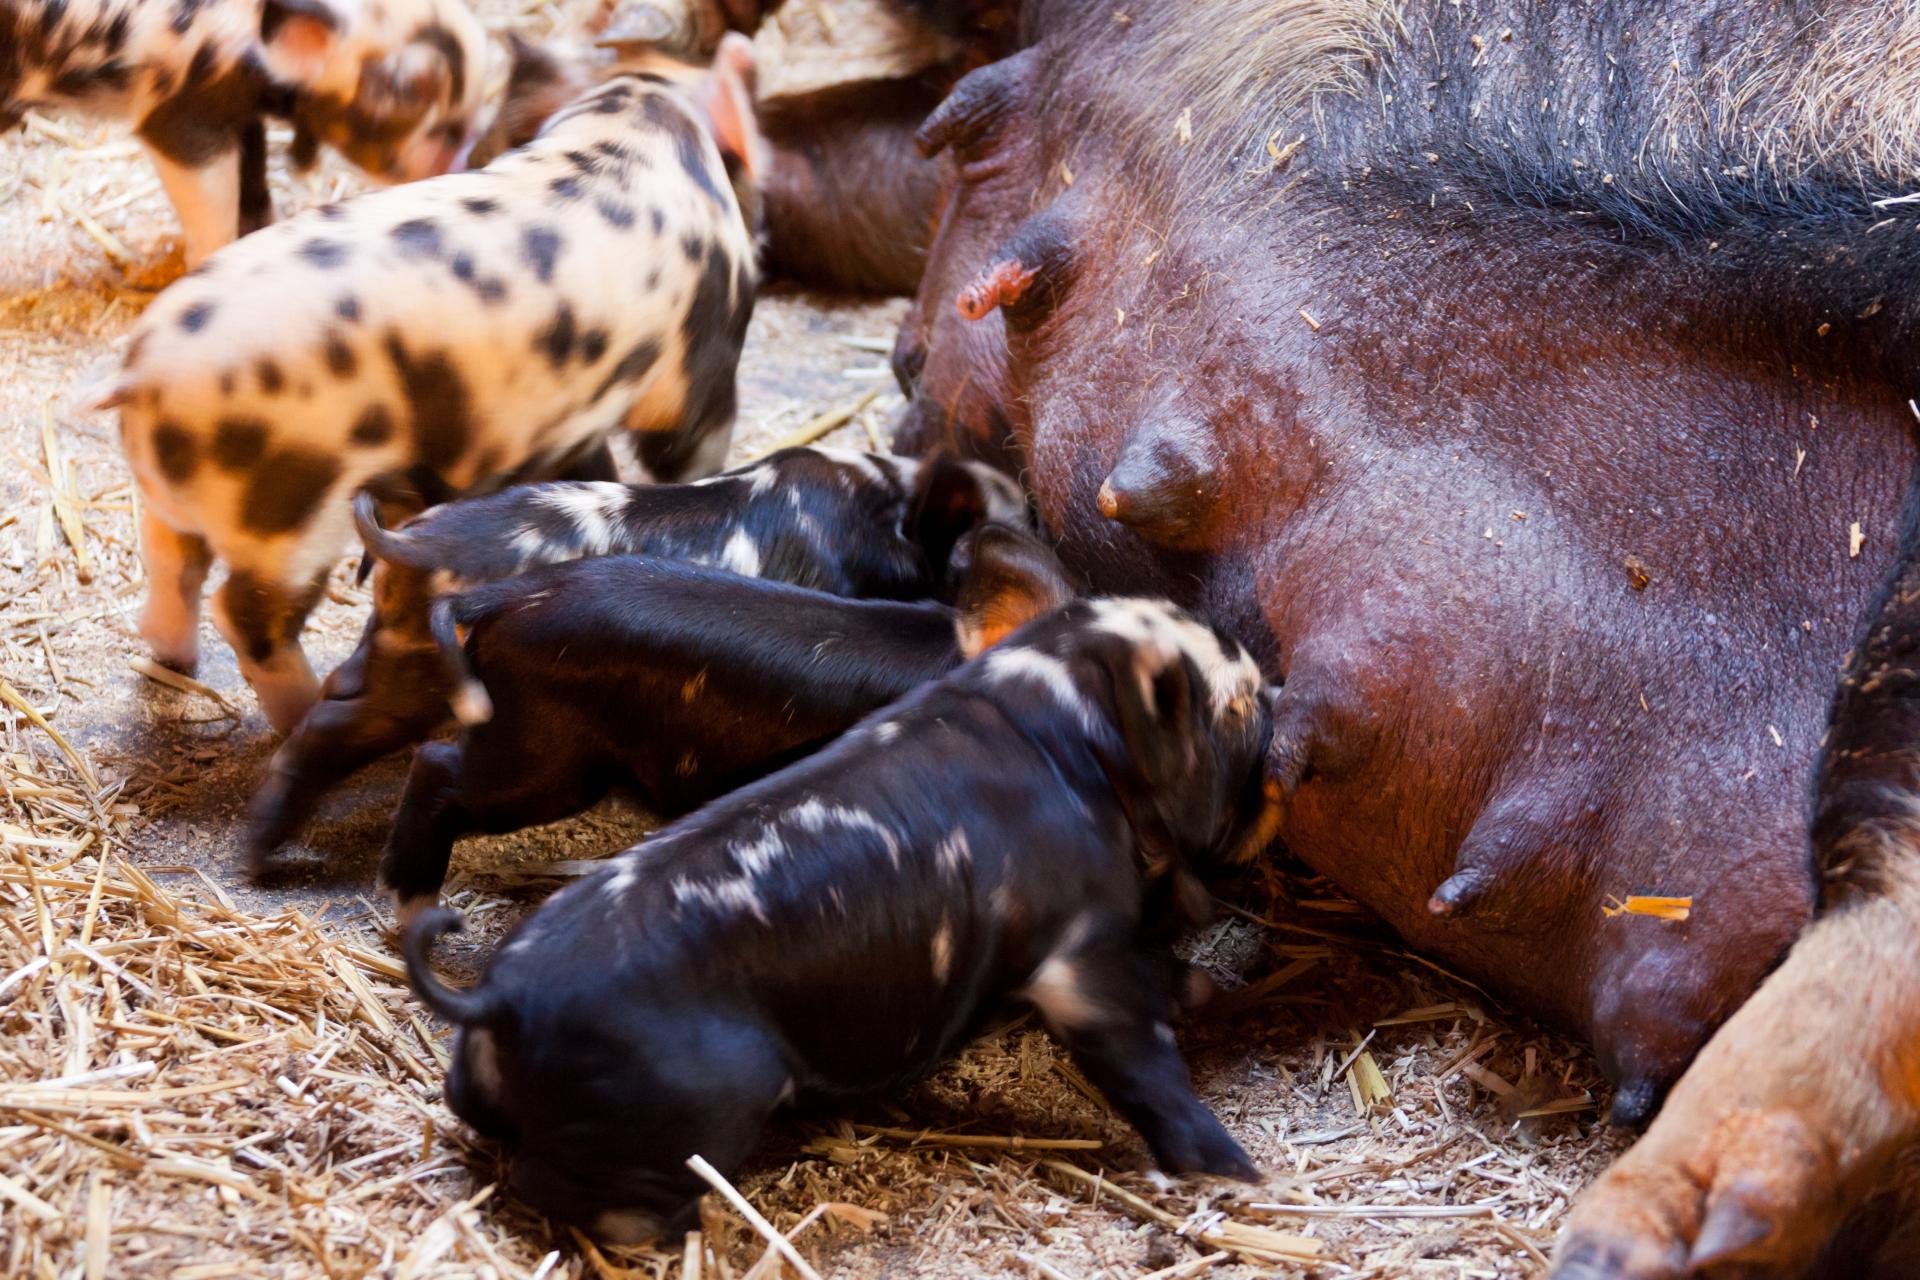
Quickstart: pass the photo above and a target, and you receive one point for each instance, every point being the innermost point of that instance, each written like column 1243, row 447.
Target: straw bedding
column 200, row 1079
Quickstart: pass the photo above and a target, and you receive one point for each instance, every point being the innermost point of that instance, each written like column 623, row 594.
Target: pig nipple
column 1002, row 284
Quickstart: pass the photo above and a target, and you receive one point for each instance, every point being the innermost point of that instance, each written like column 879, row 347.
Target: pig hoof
column 170, row 648
column 270, row 822
column 1210, row 1150
column 1634, row 1103
column 1757, row 1193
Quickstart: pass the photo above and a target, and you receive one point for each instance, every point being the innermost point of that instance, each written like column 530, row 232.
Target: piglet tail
column 470, row 702
column 471, row 1008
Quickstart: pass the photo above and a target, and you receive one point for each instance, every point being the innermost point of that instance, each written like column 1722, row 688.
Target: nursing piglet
column 442, row 336
column 840, row 926
column 851, row 524
column 676, row 682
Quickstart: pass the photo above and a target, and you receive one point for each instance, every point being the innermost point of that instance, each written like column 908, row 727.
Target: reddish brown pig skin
column 850, row 200
column 1431, row 492
column 1431, row 541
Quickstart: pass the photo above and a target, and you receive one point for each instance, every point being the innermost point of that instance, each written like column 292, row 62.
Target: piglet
column 853, row 524
column 678, row 683
column 838, row 927
column 438, row 336
column 395, row 86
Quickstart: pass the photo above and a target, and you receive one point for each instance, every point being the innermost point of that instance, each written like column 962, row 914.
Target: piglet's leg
column 491, row 783
column 261, row 619
column 176, row 565
column 375, row 703
column 1109, row 1004
column 256, row 201
column 429, row 820
column 207, row 198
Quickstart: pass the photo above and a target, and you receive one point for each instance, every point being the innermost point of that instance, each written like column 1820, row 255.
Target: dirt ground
column 1405, row 1121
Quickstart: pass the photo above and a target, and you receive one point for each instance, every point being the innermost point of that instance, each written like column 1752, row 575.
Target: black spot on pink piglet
column 239, row 442
column 418, row 238
column 176, row 451
column 557, row 338
column 286, row 489
column 540, row 247
column 325, row 254
column 438, row 401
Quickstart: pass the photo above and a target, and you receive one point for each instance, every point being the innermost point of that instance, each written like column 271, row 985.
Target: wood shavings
column 713, row 1178
column 1367, row 1084
column 1281, row 156
column 59, row 481
column 1256, row 1244
column 153, row 671
column 988, row 1142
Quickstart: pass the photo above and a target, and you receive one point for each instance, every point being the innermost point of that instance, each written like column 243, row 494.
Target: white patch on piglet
column 592, row 510
column 730, row 896
column 943, row 951
column 1006, row 666
column 814, row 815
column 741, row 555
column 1058, row 989
column 954, row 852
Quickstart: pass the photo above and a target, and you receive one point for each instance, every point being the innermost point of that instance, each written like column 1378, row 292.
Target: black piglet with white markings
column 848, row 523
column 840, row 926
column 676, row 682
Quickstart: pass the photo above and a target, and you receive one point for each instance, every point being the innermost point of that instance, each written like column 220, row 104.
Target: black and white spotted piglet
column 396, row 86
column 677, row 683
column 847, row 523
column 836, row 928
column 440, row 335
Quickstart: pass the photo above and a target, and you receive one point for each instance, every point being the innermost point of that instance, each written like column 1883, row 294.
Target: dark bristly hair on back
column 1772, row 150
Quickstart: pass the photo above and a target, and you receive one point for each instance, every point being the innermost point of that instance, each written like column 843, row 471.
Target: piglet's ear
column 947, row 501
column 403, row 86
column 1164, row 765
column 1007, row 579
column 299, row 36
column 1153, row 701
column 726, row 98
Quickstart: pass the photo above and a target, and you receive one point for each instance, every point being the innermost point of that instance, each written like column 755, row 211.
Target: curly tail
column 380, row 541
column 473, row 1007
column 471, row 705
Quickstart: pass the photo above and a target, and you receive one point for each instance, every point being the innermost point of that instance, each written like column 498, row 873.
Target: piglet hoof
column 1754, row 1196
column 286, row 703
column 271, row 821
column 172, row 647
column 1200, row 1145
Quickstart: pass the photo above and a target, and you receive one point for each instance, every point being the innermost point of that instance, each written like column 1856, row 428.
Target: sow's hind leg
column 1796, row 1111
